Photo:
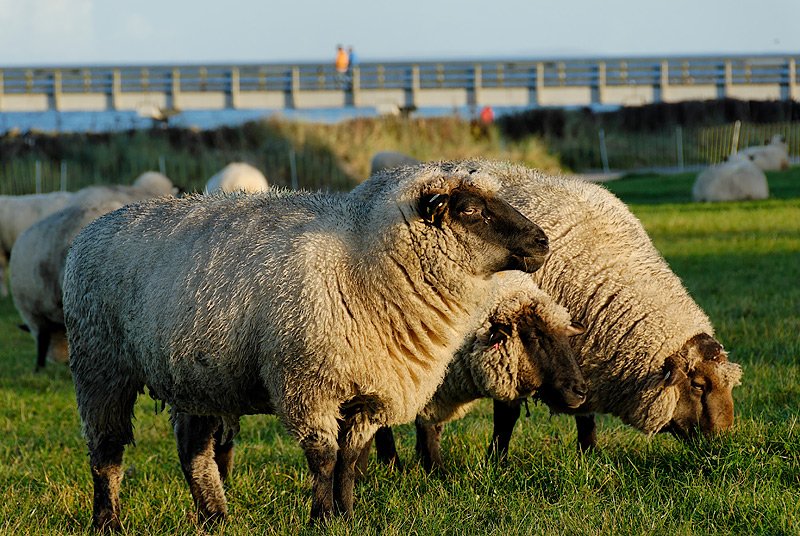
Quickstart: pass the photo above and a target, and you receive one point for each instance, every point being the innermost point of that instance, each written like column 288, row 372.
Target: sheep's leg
column 106, row 464
column 105, row 402
column 363, row 459
column 196, row 450
column 587, row 432
column 321, row 458
column 385, row 446
column 354, row 434
column 223, row 454
column 506, row 416
column 429, row 439
column 42, row 345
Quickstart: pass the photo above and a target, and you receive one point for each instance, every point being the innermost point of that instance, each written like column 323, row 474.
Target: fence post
column 38, row 176
column 603, row 150
column 162, row 165
column 293, row 169
column 63, row 176
column 735, row 137
column 679, row 145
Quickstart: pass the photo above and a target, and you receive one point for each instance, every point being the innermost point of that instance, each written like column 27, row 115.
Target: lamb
column 17, row 213
column 734, row 180
column 648, row 355
column 390, row 160
column 237, row 176
column 37, row 261
column 773, row 156
column 337, row 312
column 518, row 346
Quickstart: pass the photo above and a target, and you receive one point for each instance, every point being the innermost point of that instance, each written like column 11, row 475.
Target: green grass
column 741, row 261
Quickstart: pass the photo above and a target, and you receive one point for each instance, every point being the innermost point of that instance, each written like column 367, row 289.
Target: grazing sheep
column 648, row 355
column 735, row 180
column 773, row 156
column 338, row 313
column 37, row 262
column 390, row 160
column 238, row 176
column 518, row 346
column 17, row 213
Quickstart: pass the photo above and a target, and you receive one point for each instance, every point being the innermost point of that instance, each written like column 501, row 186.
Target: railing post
column 724, row 89
column 355, row 85
column 294, row 88
column 57, row 90
column 791, row 86
column 598, row 88
column 414, row 86
column 477, row 84
column 663, row 83
column 234, row 82
column 116, row 89
column 175, row 89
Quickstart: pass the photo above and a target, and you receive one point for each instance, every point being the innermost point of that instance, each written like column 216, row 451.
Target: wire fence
column 679, row 148
column 288, row 168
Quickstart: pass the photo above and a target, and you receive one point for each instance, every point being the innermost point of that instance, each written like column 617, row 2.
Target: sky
column 108, row 32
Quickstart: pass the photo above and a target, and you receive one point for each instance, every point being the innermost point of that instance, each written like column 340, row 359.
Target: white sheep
column 518, row 346
column 648, row 355
column 773, row 156
column 389, row 160
column 339, row 313
column 237, row 176
column 38, row 257
column 17, row 213
column 734, row 180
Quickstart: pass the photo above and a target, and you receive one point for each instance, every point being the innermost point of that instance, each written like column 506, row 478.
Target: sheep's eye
column 469, row 211
column 698, row 387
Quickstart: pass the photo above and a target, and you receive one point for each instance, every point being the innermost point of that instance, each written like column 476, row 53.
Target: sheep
column 773, row 156
column 648, row 355
column 389, row 160
column 17, row 213
column 518, row 346
column 37, row 261
column 237, row 176
column 734, row 180
column 337, row 312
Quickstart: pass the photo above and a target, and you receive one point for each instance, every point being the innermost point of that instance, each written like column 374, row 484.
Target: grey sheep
column 237, row 176
column 17, row 213
column 735, row 180
column 338, row 313
column 37, row 261
column 648, row 355
column 389, row 160
column 518, row 346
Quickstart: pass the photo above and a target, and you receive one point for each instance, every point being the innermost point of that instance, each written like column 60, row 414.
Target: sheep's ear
column 432, row 207
column 673, row 371
column 575, row 328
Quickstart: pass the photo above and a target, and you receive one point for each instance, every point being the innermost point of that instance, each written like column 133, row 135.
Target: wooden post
column 175, row 89
column 414, row 85
column 116, row 89
column 791, row 68
column 663, row 82
column 235, row 101
column 295, row 87
column 477, row 84
column 355, row 85
column 57, row 90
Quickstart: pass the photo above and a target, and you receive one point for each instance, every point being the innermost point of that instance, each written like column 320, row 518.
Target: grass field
column 741, row 261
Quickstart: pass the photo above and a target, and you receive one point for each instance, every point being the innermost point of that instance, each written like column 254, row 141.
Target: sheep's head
column 482, row 221
column 523, row 348
column 705, row 380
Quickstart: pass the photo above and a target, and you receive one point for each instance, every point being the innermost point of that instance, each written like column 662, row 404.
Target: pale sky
column 90, row 32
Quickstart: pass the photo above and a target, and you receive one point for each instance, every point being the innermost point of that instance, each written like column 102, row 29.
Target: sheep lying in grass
column 519, row 346
column 237, row 176
column 338, row 313
column 389, row 160
column 648, row 355
column 37, row 261
column 773, row 156
column 17, row 213
column 735, row 180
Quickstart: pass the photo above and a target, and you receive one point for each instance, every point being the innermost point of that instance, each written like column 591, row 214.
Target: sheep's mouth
column 526, row 263
column 560, row 400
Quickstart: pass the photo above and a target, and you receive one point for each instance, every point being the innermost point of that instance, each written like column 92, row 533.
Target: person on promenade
column 341, row 63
